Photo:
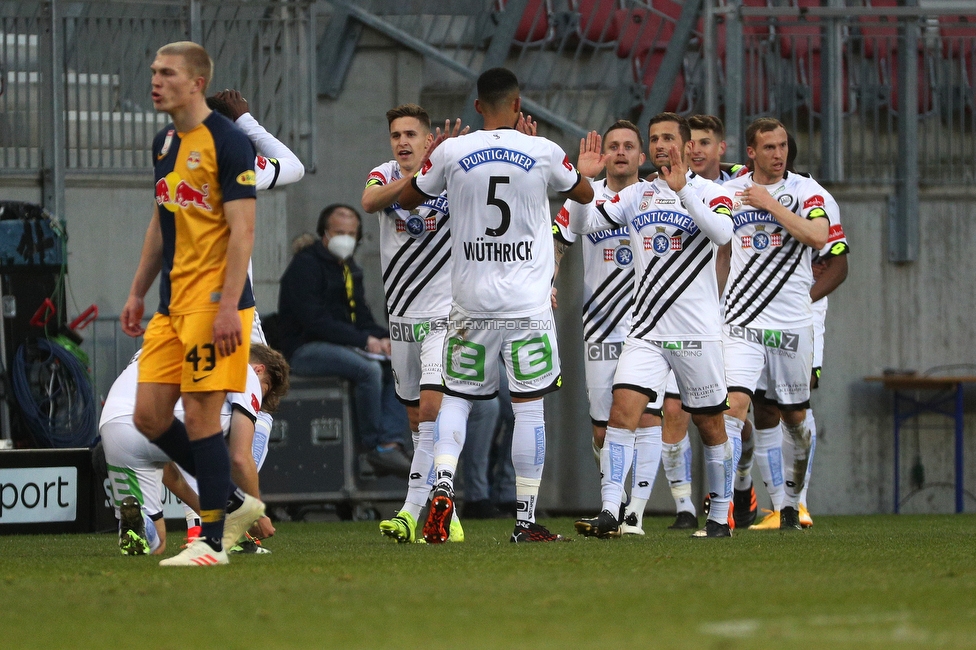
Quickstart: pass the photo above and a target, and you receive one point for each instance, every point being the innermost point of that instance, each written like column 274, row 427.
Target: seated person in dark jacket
column 327, row 329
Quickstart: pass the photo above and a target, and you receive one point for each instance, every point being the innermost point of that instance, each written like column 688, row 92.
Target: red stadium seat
column 641, row 31
column 596, row 23
column 648, row 69
column 533, row 28
column 880, row 46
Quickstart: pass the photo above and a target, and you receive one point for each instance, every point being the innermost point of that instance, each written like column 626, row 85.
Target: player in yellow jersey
column 199, row 241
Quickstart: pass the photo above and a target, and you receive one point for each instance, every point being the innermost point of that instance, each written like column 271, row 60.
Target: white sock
column 796, row 454
column 812, row 425
column 596, row 454
column 636, row 508
column 528, row 455
column 647, row 458
column 676, row 459
column 719, row 472
column 733, row 429
column 421, row 470
column 743, row 469
column 449, row 434
column 152, row 535
column 616, row 458
column 769, row 458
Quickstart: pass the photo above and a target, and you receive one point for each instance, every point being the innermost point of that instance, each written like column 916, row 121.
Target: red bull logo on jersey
column 171, row 190
column 193, row 160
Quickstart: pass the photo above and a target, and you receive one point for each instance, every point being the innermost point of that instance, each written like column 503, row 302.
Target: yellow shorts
column 180, row 350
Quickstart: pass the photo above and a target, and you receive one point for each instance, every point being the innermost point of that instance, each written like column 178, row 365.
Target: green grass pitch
column 849, row 582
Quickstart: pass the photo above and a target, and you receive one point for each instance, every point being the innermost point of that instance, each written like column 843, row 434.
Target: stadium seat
column 646, row 71
column 596, row 20
column 641, row 30
column 878, row 78
column 956, row 81
column 533, row 28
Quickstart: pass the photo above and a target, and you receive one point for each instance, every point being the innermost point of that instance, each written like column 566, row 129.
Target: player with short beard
column 608, row 297
column 678, row 221
column 780, row 221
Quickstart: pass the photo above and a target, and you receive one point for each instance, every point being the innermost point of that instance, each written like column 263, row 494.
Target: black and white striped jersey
column 675, row 235
column 770, row 277
column 415, row 252
column 608, row 272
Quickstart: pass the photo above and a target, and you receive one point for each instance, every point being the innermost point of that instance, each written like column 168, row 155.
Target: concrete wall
column 918, row 316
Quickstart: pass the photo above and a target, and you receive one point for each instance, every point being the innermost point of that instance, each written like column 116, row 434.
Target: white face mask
column 342, row 246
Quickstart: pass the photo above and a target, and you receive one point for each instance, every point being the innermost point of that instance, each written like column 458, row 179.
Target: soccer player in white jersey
column 415, row 248
column 676, row 221
column 704, row 159
column 501, row 277
column 780, row 220
column 608, row 297
column 274, row 166
column 829, row 271
column 137, row 469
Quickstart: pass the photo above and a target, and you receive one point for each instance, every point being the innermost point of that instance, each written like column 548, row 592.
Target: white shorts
column 135, row 465
column 418, row 347
column 771, row 364
column 599, row 365
column 671, row 390
column 527, row 346
column 698, row 368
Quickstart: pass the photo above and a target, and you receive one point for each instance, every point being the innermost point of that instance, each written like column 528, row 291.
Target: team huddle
column 698, row 293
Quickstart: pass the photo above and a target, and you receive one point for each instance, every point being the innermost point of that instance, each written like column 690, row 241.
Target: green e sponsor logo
column 465, row 360
column 532, row 358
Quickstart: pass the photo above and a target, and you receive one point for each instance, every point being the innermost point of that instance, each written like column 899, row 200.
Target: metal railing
column 89, row 61
column 582, row 64
column 847, row 105
column 829, row 72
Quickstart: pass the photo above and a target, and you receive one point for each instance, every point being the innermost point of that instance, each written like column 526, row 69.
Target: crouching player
column 137, row 469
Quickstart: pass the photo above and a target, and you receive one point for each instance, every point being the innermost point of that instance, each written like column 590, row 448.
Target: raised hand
column 675, row 172
column 591, row 160
column 234, row 102
column 526, row 125
column 441, row 136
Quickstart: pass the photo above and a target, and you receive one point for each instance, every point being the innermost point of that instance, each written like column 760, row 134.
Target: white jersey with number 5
column 498, row 182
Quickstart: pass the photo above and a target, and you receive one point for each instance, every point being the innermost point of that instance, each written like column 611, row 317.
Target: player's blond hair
column 198, row 63
column 277, row 370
